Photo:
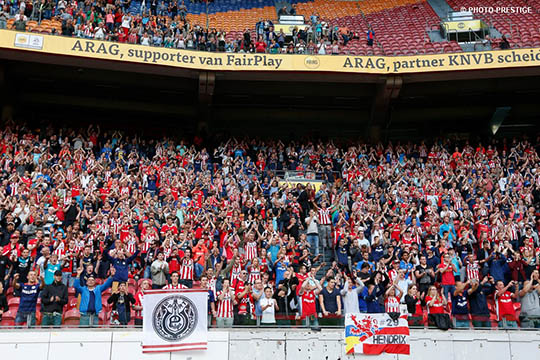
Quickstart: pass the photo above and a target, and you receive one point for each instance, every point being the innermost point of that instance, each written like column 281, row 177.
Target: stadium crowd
column 445, row 231
column 165, row 24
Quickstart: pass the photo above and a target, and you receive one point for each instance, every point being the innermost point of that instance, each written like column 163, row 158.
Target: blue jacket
column 451, row 232
column 497, row 267
column 362, row 305
column 85, row 294
column 121, row 266
column 478, row 299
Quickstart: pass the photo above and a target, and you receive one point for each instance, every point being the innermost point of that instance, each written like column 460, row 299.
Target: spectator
column 308, row 292
column 460, row 304
column 175, row 282
column 91, row 297
column 392, row 300
column 205, row 285
column 53, row 298
column 29, row 293
column 425, row 276
column 4, row 15
column 3, row 301
column 226, row 300
column 447, row 270
column 529, row 298
column 67, row 28
column 478, row 303
column 121, row 301
column 436, row 302
column 242, row 290
column 138, row 307
column 160, row 269
column 413, row 300
column 268, row 307
column 50, row 268
column 506, row 314
column 504, row 44
column 187, row 269
column 330, row 299
column 20, row 23
column 370, row 37
column 120, row 260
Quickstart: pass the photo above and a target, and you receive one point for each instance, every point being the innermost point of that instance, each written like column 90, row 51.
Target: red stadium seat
column 104, row 317
column 72, row 303
column 8, row 318
column 72, row 317
column 13, row 303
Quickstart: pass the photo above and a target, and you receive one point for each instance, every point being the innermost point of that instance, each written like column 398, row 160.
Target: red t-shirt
column 239, row 287
column 308, row 304
column 301, row 279
column 260, row 47
column 437, row 307
column 448, row 275
column 505, row 307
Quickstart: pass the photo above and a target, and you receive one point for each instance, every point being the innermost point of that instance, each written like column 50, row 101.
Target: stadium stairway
column 281, row 4
column 440, row 7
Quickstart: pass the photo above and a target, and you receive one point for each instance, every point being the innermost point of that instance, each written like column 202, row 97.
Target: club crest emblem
column 174, row 318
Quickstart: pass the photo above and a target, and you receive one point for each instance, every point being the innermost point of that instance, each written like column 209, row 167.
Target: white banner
column 175, row 320
column 374, row 334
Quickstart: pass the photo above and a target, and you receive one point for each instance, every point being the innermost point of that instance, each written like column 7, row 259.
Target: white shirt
column 350, row 298
column 312, row 226
column 268, row 315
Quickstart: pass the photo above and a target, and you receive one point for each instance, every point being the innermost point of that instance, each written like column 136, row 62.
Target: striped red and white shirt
column 132, row 243
column 473, row 272
column 324, row 216
column 225, row 306
column 186, row 269
column 251, row 250
column 174, row 287
column 391, row 304
column 60, row 249
column 513, row 231
column 138, row 301
column 235, row 271
column 254, row 275
column 149, row 239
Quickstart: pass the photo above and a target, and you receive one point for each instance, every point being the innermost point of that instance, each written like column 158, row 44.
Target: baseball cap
column 58, row 273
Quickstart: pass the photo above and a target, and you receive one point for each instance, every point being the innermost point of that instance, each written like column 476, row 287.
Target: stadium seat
column 72, row 317
column 104, row 317
column 13, row 303
column 72, row 303
column 8, row 318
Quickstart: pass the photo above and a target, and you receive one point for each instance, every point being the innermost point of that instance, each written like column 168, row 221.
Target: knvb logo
column 174, row 318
